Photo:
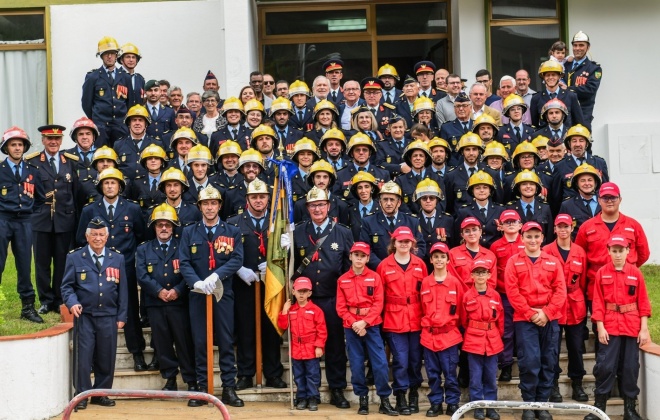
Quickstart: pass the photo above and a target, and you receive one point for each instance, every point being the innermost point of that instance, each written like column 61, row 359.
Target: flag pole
column 209, row 343
column 257, row 316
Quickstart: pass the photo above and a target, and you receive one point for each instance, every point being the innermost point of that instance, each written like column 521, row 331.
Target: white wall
column 36, row 377
column 468, row 37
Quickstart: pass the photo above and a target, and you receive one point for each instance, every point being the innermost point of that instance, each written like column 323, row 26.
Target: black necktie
column 154, row 185
column 164, row 248
column 282, row 135
column 335, row 165
column 483, row 213
column 364, row 168
column 234, row 133
column 429, row 223
column 391, row 222
column 209, row 233
column 301, row 115
column 154, row 114
column 553, row 95
column 318, row 231
column 472, row 171
column 373, row 110
column 111, row 214
column 517, row 129
column 399, row 145
column 364, row 212
column 581, row 160
column 111, row 75
column 17, row 174
column 528, row 212
column 257, row 222
column 86, row 158
column 186, row 171
column 465, row 128
column 199, row 188
column 334, row 96
column 556, row 134
column 425, row 95
column 388, row 98
column 97, row 262
column 52, row 164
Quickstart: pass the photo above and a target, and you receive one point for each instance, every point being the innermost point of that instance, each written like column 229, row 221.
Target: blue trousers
column 307, row 374
column 355, row 345
column 444, row 363
column 505, row 358
column 406, row 359
column 483, row 377
column 19, row 233
column 97, row 347
column 619, row 358
column 574, row 342
column 537, row 358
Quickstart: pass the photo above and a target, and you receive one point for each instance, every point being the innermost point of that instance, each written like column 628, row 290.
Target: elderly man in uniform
column 453, row 130
column 322, row 250
column 105, row 96
column 54, row 224
column 211, row 251
column 166, row 299
column 372, row 89
column 130, row 147
column 22, row 194
column 83, row 133
column 253, row 224
column 126, row 225
column 94, row 289
column 583, row 75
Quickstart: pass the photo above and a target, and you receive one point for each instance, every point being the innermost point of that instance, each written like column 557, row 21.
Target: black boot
column 555, row 395
column 434, row 411
column 29, row 313
column 154, row 365
column 629, row 411
column 229, row 397
column 578, row 391
column 338, row 400
column 386, row 408
column 170, row 385
column 364, row 405
column 402, row 404
column 600, row 403
column 505, row 375
column 413, row 399
column 193, row 387
column 139, row 365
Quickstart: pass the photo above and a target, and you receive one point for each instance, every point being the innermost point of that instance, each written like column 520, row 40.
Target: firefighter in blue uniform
column 403, row 104
column 583, row 76
column 144, row 188
column 482, row 207
column 529, row 205
column 253, row 224
column 54, row 224
column 456, row 179
column 418, row 159
column 333, row 148
column 228, row 156
column 162, row 117
column 453, row 130
column 127, row 227
column 496, row 160
column 586, row 181
column 333, row 71
column 325, row 262
column 21, row 194
column 389, row 76
column 436, row 225
column 105, row 94
column 166, row 298
column 304, row 153
column 235, row 130
column 390, row 150
column 423, row 112
column 250, row 166
column 360, row 149
column 322, row 176
column 372, row 90
column 515, row 131
column 183, row 119
column 526, row 156
column 181, row 142
column 94, row 289
column 303, row 114
column 129, row 57
column 104, row 157
column 550, row 72
column 364, row 189
column 210, row 252
column 130, row 147
column 173, row 184
column 281, row 112
column 425, row 71
column 83, row 133
column 377, row 228
column 266, row 142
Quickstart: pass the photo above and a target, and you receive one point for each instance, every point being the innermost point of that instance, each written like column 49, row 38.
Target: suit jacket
column 307, row 122
column 575, row 115
column 157, row 270
column 104, row 100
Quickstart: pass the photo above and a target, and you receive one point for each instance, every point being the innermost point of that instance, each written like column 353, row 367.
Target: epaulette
column 91, row 71
column 380, row 166
column 508, row 173
column 300, row 223
column 116, row 250
column 74, row 250
column 142, row 243
column 498, row 204
column 132, row 201
column 447, row 214
column 341, row 224
column 451, row 169
column 465, row 205
column 388, row 105
column 139, row 177
column 71, row 156
column 568, row 198
column 31, row 155
column 547, row 173
column 510, row 203
column 91, row 202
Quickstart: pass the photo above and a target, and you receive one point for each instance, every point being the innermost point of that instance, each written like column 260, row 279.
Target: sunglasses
column 268, row 82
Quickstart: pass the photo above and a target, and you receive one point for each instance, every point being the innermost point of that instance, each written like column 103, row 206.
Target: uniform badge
column 375, row 239
column 389, row 159
column 83, row 276
column 123, row 158
column 101, row 92
column 459, row 194
column 193, row 249
column 242, row 239
column 334, row 246
column 454, row 141
column 346, row 192
column 240, row 211
column 150, row 268
column 302, row 252
column 67, row 177
column 4, row 191
column 125, row 217
column 442, row 234
column 405, row 199
column 141, row 203
column 175, row 265
column 597, row 74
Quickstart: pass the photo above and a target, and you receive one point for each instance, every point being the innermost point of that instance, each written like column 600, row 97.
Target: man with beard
column 250, row 166
column 182, row 141
column 333, row 148
column 162, row 117
column 265, row 142
column 129, row 148
column 173, row 184
column 227, row 165
column 184, row 118
column 388, row 75
column 281, row 111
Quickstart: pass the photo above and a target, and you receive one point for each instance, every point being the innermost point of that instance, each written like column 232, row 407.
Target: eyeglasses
column 609, row 198
column 351, row 89
column 269, row 82
column 428, row 198
column 316, row 206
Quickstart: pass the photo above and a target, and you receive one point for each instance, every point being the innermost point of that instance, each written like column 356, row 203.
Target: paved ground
column 166, row 410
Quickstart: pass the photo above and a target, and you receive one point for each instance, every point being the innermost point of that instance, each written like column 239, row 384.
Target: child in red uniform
column 504, row 248
column 482, row 341
column 308, row 335
column 442, row 294
column 402, row 273
column 359, row 304
column 621, row 309
column 573, row 319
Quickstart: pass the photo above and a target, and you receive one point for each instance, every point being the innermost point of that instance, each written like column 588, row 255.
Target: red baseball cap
column 563, row 218
column 531, row 225
column 470, row 221
column 439, row 247
column 509, row 215
column 361, row 247
column 480, row 264
column 403, row 233
column 609, row 188
column 302, row 283
column 618, row 240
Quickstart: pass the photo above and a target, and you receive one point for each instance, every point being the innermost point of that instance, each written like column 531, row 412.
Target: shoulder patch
column 31, row 155
column 451, row 169
column 74, row 250
column 510, row 203
column 71, row 156
column 388, row 105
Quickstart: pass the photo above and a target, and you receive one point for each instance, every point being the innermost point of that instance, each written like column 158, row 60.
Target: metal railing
column 521, row 405
column 137, row 393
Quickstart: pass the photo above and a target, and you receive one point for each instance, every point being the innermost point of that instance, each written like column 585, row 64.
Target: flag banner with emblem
column 281, row 217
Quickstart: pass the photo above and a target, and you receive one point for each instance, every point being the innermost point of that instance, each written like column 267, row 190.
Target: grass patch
column 652, row 278
column 10, row 308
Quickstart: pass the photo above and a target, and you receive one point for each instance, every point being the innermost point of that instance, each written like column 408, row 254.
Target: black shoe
column 229, row 397
column 275, row 383
column 434, row 411
column 102, row 401
column 479, row 414
column 528, row 415
column 244, row 382
column 338, row 400
column 312, row 405
column 170, row 385
column 139, row 365
column 364, row 405
column 29, row 313
column 386, row 408
column 544, row 415
column 492, row 414
column 505, row 375
column 302, row 404
column 578, row 391
column 413, row 399
column 154, row 365
column 55, row 308
column 82, row 404
column 401, row 403
column 192, row 387
column 555, row 395
column 44, row 309
column 451, row 409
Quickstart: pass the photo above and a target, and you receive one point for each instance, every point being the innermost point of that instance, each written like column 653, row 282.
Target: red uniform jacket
column 503, row 250
column 575, row 275
column 593, row 236
column 360, row 297
column 461, row 259
column 625, row 287
column 483, row 322
column 308, row 330
column 441, row 308
column 539, row 285
column 403, row 311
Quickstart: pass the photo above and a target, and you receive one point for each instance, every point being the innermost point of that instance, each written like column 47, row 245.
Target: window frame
column 24, row 12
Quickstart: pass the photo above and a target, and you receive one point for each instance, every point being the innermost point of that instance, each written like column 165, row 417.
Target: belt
column 621, row 308
column 441, row 330
column 358, row 311
column 306, row 339
column 480, row 325
column 402, row 300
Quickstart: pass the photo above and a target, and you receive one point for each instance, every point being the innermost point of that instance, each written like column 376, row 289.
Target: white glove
column 262, row 268
column 204, row 287
column 285, row 242
column 247, row 275
column 212, row 279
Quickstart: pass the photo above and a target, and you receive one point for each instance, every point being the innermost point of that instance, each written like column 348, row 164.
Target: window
column 520, row 33
column 295, row 40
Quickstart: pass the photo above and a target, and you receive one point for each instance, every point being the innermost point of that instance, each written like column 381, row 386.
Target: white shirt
column 209, row 125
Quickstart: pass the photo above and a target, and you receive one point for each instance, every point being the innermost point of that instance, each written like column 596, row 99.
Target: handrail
column 522, row 405
column 138, row 393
